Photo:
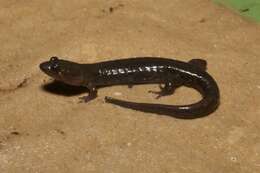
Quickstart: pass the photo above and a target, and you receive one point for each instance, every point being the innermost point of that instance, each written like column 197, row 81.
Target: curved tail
column 204, row 107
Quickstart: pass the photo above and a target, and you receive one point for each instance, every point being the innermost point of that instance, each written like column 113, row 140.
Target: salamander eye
column 54, row 63
column 55, row 66
column 54, row 59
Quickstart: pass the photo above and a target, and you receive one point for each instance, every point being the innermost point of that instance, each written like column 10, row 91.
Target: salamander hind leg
column 167, row 89
column 200, row 63
column 172, row 82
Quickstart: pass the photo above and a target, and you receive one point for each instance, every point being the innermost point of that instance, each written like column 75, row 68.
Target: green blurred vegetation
column 248, row 8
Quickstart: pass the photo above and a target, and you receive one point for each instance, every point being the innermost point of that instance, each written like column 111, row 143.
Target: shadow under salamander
column 60, row 88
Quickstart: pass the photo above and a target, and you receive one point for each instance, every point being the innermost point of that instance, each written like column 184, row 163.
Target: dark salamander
column 142, row 70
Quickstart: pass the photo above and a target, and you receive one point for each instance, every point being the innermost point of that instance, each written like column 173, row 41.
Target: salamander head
column 64, row 71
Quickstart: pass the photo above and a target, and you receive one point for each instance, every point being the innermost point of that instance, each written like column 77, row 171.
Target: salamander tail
column 192, row 111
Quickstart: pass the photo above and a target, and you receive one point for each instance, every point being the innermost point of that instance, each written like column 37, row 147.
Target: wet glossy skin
column 143, row 70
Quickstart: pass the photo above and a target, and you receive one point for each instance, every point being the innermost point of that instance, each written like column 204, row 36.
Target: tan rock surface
column 45, row 132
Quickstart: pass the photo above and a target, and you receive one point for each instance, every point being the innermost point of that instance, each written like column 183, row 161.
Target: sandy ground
column 43, row 128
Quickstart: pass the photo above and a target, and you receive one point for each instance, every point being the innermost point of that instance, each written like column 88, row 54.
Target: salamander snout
column 45, row 66
column 63, row 70
column 50, row 67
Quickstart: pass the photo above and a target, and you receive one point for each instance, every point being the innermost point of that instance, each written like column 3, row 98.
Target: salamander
column 142, row 70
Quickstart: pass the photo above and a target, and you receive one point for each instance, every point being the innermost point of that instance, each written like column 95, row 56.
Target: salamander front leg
column 130, row 86
column 92, row 94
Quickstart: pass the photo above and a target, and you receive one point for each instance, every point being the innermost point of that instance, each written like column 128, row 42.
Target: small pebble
column 117, row 93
